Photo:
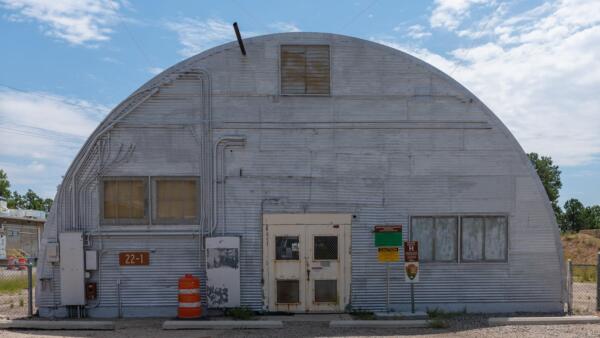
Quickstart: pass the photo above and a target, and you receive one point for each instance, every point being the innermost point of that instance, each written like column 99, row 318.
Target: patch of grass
column 240, row 313
column 13, row 285
column 584, row 274
column 438, row 323
column 441, row 314
column 362, row 314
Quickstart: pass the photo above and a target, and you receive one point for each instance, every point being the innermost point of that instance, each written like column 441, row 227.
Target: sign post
column 411, row 268
column 388, row 239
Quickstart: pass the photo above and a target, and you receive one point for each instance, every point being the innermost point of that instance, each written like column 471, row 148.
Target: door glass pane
column 422, row 231
column 495, row 238
column 472, row 238
column 326, row 247
column 287, row 248
column 445, row 238
column 288, row 291
column 326, row 291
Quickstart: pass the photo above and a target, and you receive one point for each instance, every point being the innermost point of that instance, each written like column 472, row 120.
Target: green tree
column 16, row 200
column 592, row 217
column 549, row 174
column 48, row 204
column 30, row 200
column 33, row 201
column 574, row 217
column 4, row 185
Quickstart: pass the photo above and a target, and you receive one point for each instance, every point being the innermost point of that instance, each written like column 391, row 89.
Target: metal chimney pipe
column 239, row 38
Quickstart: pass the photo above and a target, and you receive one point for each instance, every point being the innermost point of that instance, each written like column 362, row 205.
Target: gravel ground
column 584, row 298
column 469, row 326
column 14, row 305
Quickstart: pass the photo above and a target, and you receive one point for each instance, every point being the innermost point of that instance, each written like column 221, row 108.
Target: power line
column 249, row 14
column 358, row 14
column 29, row 92
column 45, row 137
column 135, row 42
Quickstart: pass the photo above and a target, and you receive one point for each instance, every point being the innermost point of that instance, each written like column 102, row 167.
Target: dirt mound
column 580, row 248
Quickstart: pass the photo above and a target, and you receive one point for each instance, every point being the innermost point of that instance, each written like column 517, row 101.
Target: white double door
column 307, row 258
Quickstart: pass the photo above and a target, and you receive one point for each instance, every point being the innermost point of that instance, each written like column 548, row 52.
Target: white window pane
column 472, row 238
column 422, row 231
column 445, row 238
column 495, row 238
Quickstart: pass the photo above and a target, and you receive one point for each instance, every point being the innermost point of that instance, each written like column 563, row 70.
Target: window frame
column 484, row 259
column 154, row 201
column 277, row 292
column 460, row 217
column 287, row 260
column 124, row 221
column 280, row 73
column 457, row 248
column 337, row 247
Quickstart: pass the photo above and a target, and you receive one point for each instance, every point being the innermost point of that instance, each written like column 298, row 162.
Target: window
column 124, row 200
column 176, row 200
column 326, row 291
column 326, row 247
column 484, row 238
column 286, row 248
column 437, row 238
column 288, row 291
column 305, row 70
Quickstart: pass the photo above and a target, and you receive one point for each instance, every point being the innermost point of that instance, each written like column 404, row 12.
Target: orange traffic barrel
column 22, row 263
column 189, row 297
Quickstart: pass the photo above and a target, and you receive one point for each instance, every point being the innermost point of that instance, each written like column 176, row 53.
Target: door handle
column 307, row 274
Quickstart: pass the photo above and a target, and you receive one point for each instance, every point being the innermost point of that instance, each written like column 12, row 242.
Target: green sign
column 388, row 236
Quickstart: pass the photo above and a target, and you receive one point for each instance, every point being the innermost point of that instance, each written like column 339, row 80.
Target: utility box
column 72, row 286
column 223, row 272
column 91, row 260
column 52, row 252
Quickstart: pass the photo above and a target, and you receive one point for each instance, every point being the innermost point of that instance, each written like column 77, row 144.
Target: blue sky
column 66, row 63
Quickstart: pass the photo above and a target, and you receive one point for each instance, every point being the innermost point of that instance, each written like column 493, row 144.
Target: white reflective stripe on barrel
column 196, row 304
column 188, row 291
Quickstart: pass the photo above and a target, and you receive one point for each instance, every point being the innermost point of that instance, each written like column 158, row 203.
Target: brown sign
column 411, row 251
column 134, row 258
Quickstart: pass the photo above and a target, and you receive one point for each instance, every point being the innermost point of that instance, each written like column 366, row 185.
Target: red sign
column 411, row 251
column 387, row 228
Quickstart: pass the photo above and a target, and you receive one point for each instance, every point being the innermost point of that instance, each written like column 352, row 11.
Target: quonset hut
column 265, row 174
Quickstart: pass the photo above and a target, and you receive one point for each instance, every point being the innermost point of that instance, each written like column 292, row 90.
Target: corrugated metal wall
column 394, row 139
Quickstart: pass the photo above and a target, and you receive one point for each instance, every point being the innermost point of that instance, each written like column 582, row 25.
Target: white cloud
column 449, row 13
column 540, row 73
column 155, row 70
column 197, row 35
column 416, row 32
column 78, row 22
column 36, row 166
column 110, row 60
column 41, row 133
column 284, row 27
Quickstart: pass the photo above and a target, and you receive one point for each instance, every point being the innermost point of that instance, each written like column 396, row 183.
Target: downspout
column 227, row 141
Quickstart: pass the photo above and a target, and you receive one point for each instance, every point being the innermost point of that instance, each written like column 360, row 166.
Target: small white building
column 275, row 167
column 20, row 231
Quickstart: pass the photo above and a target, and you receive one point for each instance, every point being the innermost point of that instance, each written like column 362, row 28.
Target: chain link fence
column 582, row 286
column 16, row 290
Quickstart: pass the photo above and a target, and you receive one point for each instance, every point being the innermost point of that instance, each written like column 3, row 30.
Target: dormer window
column 305, row 70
